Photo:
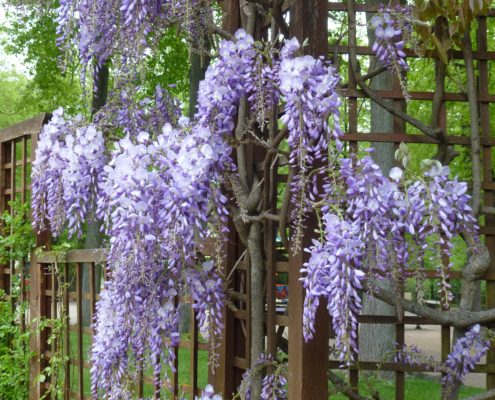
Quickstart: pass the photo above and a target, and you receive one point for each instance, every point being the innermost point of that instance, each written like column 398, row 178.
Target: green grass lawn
column 416, row 388
column 184, row 367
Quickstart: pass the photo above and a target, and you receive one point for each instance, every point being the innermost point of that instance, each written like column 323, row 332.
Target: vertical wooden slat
column 79, row 327
column 307, row 379
column 400, row 380
column 193, row 372
column 175, row 375
column 12, row 198
column 222, row 377
column 23, row 168
column 13, row 160
column 487, row 172
column 66, row 289
column 3, row 277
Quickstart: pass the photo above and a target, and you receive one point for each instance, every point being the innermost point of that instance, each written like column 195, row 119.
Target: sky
column 8, row 62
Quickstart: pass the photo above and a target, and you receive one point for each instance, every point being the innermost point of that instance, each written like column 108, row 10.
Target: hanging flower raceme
column 132, row 115
column 85, row 159
column 373, row 224
column 47, row 195
column 157, row 196
column 124, row 27
column 309, row 90
column 333, row 271
column 390, row 28
column 466, row 353
column 69, row 160
column 376, row 204
column 226, row 81
column 273, row 383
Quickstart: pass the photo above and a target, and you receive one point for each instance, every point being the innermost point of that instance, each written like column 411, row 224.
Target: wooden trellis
column 16, row 148
column 307, row 377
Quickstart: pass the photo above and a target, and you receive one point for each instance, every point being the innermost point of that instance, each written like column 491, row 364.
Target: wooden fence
column 17, row 144
column 57, row 292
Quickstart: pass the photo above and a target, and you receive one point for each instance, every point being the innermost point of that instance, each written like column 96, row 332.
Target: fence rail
column 58, row 292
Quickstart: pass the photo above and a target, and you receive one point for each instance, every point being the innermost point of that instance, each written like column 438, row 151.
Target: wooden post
column 308, row 362
column 37, row 309
column 36, row 280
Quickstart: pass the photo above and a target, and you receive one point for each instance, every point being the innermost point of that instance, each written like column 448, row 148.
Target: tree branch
column 368, row 76
column 344, row 388
column 467, row 51
column 284, row 209
column 279, row 18
column 213, row 28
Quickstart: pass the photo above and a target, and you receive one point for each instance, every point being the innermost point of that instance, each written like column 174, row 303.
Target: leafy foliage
column 17, row 239
column 14, row 353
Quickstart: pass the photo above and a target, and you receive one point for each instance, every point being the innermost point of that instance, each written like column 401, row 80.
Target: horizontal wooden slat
column 388, row 319
column 240, row 314
column 240, row 363
column 282, row 320
column 416, row 95
column 406, row 138
column 455, row 54
column 364, row 7
column 282, row 266
column 187, row 344
column 376, row 366
column 73, row 256
column 24, row 128
column 85, row 329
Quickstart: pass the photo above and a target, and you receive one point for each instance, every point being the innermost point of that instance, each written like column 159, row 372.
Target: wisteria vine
column 467, row 351
column 161, row 186
column 125, row 29
column 372, row 224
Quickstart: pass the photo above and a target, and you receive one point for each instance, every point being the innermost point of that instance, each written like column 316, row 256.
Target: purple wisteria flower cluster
column 273, row 384
column 207, row 298
column 308, row 87
column 333, row 272
column 102, row 29
column 156, row 200
column 226, row 81
column 69, row 161
column 390, row 28
column 132, row 115
column 85, row 159
column 466, row 353
column 378, row 226
column 208, row 394
column 47, row 194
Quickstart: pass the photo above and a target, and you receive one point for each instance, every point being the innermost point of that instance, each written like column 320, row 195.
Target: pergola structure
column 308, row 363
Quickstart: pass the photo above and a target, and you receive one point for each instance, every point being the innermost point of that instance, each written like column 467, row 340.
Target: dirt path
column 428, row 339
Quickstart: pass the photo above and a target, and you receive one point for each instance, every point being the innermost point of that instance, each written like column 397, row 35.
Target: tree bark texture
column 376, row 340
column 94, row 236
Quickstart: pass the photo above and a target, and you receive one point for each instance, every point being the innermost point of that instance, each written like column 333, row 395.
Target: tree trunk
column 196, row 75
column 257, row 294
column 94, row 236
column 376, row 340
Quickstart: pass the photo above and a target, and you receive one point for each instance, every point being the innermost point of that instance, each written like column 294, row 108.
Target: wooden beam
column 307, row 378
